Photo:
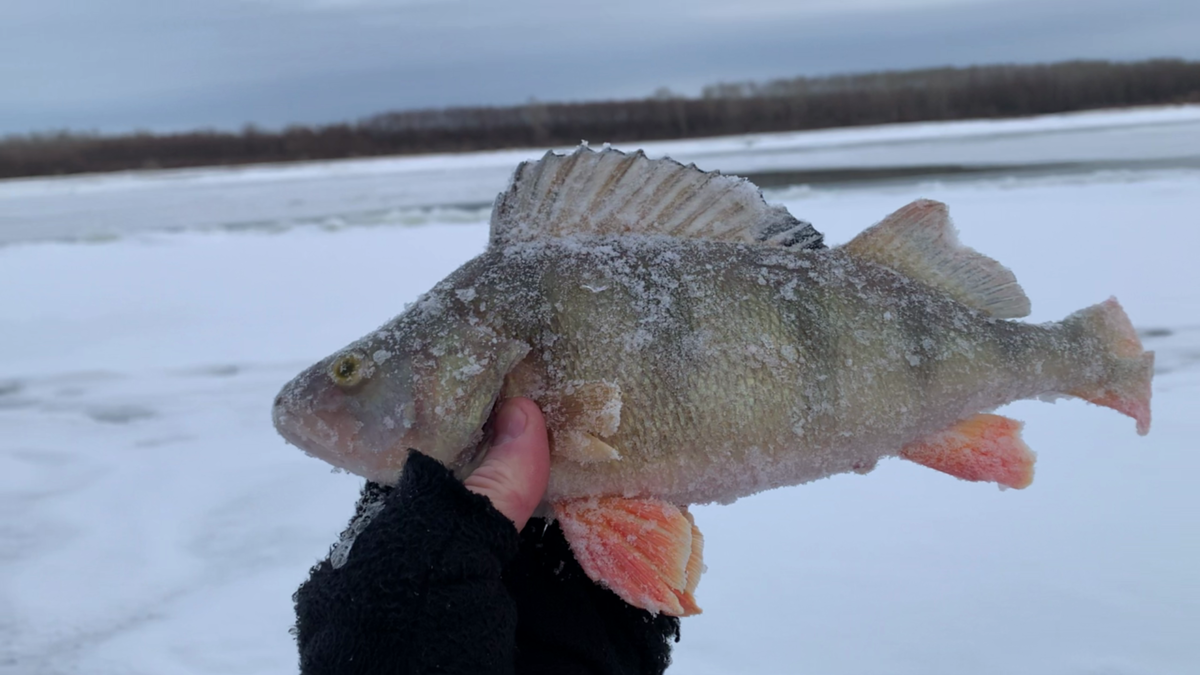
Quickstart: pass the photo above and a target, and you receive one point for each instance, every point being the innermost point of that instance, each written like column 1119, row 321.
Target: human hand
column 517, row 466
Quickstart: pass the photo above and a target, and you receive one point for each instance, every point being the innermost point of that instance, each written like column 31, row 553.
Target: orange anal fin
column 980, row 448
column 643, row 550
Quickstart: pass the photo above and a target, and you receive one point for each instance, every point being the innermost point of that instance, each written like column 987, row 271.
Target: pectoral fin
column 582, row 447
column 980, row 448
column 646, row 551
column 590, row 405
column 582, row 413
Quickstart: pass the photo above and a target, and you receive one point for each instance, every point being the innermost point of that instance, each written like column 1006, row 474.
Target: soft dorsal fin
column 611, row 192
column 919, row 242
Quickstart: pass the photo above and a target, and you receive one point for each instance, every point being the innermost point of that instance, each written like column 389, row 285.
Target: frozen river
column 460, row 188
column 154, row 523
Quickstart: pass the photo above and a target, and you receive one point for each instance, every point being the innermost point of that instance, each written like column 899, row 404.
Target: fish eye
column 347, row 370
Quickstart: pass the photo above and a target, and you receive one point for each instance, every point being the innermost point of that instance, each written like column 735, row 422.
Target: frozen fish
column 689, row 343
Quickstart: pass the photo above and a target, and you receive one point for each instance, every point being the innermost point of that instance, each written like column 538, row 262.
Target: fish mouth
column 316, row 419
column 318, row 434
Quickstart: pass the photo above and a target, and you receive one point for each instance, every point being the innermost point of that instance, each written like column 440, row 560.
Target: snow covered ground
column 154, row 523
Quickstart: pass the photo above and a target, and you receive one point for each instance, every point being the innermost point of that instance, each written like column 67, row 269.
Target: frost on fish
column 690, row 344
column 647, row 551
column 370, row 506
column 590, row 193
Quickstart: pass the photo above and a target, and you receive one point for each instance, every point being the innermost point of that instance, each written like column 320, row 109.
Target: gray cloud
column 123, row 64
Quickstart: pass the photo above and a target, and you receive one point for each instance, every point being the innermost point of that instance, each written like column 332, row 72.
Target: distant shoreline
column 779, row 179
column 929, row 95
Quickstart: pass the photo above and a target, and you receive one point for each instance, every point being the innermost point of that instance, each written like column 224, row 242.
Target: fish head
column 364, row 407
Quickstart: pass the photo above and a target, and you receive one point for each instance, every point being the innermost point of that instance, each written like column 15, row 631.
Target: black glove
column 438, row 581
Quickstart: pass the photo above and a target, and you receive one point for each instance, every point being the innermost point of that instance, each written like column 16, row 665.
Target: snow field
column 154, row 522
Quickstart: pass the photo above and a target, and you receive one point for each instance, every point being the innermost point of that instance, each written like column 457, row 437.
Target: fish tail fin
column 1125, row 384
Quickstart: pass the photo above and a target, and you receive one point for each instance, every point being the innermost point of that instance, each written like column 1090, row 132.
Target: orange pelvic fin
column 980, row 448
column 646, row 551
column 1126, row 388
column 695, row 567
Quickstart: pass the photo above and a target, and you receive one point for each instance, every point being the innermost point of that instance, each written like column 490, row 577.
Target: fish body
column 702, row 357
column 743, row 368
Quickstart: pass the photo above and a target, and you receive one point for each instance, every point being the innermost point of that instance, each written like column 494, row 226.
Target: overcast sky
column 118, row 65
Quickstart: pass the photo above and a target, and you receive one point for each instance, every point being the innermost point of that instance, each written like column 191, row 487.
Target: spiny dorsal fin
column 919, row 241
column 610, row 192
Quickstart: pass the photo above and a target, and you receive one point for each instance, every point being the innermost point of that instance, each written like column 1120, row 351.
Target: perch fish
column 689, row 344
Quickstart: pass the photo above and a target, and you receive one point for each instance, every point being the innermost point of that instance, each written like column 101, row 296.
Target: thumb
column 517, row 466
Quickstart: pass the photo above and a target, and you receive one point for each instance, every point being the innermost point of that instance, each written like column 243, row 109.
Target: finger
column 517, row 467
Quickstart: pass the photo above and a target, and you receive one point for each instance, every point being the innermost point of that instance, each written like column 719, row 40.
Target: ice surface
column 171, row 543
column 460, row 188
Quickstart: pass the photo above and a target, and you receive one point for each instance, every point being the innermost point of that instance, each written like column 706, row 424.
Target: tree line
column 722, row 109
